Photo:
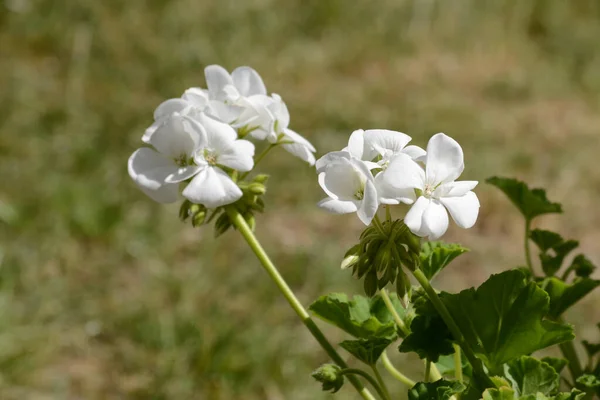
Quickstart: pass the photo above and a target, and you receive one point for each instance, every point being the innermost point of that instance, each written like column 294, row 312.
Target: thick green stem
column 458, row 372
column 427, row 369
column 394, row 372
column 355, row 371
column 382, row 385
column 379, row 225
column 241, row 225
column 568, row 350
column 478, row 371
column 527, row 249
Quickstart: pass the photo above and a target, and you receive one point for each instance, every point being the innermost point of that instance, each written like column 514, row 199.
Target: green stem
column 458, row 372
column 568, row 350
column 527, row 249
column 388, row 213
column 241, row 225
column 435, row 373
column 379, row 225
column 392, row 310
column 382, row 385
column 394, row 371
column 454, row 329
column 355, row 371
column 260, row 157
column 427, row 369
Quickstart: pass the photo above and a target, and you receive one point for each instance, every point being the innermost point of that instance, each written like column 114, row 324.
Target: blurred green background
column 106, row 295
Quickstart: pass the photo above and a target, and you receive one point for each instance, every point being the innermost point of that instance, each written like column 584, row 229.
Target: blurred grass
column 105, row 295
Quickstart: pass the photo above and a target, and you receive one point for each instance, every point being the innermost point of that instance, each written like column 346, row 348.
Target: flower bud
column 198, row 218
column 257, row 188
column 222, row 224
column 261, row 178
column 250, row 220
column 331, row 377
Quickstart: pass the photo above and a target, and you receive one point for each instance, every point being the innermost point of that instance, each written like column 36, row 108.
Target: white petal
column 356, row 144
column 150, row 131
column 404, row 173
column 177, row 136
column 414, row 217
column 213, row 188
column 219, row 135
column 337, row 206
column 435, row 220
column 369, row 204
column 300, row 151
column 182, row 174
column 238, row 155
column 341, row 180
column 415, row 152
column 224, row 112
column 454, row 189
column 217, row 78
column 329, row 158
column 464, row 210
column 445, row 161
column 378, row 140
column 197, row 97
column 280, row 113
column 168, row 107
column 149, row 170
column 297, row 138
column 248, row 82
column 389, row 195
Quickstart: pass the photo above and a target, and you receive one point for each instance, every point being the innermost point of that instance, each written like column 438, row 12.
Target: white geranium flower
column 436, row 188
column 192, row 147
column 383, row 145
column 272, row 124
column 243, row 82
column 350, row 186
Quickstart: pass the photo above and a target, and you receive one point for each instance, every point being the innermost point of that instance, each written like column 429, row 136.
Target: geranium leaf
column 366, row 350
column 564, row 295
column 503, row 318
column 438, row 390
column 445, row 365
column 531, row 202
column 530, row 376
column 436, row 255
column 582, row 266
column 355, row 316
column 547, row 241
column 555, row 362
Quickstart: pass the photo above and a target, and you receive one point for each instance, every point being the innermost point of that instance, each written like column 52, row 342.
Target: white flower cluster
column 377, row 167
column 198, row 137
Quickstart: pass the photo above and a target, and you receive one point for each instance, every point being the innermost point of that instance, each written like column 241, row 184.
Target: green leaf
column 564, row 295
column 591, row 348
column 582, row 266
column 555, row 362
column 436, row 255
column 366, row 350
column 553, row 248
column 354, row 316
column 531, row 202
column 445, row 365
column 503, row 318
column 589, row 381
column 438, row 390
column 530, row 376
column 380, row 311
column 429, row 338
column 503, row 393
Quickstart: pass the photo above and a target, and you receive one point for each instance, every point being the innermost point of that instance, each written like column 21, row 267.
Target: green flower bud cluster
column 250, row 203
column 379, row 257
column 331, row 377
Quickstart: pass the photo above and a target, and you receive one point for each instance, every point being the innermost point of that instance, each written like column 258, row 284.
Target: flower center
column 428, row 190
column 359, row 194
column 210, row 156
column 182, row 160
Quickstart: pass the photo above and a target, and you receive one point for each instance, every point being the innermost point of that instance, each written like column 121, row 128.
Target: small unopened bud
column 222, row 224
column 250, row 220
column 349, row 261
column 261, row 178
column 198, row 218
column 257, row 188
column 184, row 210
column 330, row 376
